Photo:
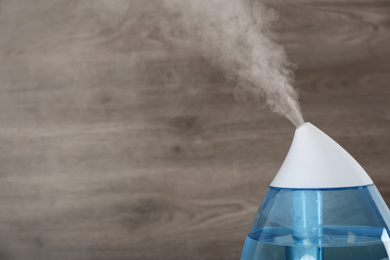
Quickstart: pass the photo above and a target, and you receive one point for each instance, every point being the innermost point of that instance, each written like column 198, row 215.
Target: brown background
column 103, row 157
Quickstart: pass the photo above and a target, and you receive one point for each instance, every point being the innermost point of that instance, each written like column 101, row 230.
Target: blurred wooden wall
column 103, row 157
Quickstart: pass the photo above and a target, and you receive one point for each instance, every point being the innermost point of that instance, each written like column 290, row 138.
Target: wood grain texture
column 104, row 155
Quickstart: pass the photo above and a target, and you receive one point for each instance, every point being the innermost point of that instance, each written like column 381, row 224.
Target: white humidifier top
column 316, row 161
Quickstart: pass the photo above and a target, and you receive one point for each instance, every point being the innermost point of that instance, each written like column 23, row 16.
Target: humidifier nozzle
column 316, row 161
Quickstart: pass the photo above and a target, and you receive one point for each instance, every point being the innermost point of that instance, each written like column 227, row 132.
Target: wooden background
column 104, row 156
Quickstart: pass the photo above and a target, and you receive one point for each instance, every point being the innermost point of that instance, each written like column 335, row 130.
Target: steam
column 233, row 35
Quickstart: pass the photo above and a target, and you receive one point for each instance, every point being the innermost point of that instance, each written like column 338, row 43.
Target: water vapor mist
column 232, row 35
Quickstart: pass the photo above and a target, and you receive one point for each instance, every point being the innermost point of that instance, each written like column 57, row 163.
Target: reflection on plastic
column 307, row 257
column 386, row 241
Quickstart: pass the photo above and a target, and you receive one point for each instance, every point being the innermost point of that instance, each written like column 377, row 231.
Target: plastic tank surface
column 333, row 224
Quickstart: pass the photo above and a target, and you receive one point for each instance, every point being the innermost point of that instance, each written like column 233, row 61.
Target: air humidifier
column 320, row 205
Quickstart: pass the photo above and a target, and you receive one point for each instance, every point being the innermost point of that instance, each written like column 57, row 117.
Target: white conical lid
column 316, row 161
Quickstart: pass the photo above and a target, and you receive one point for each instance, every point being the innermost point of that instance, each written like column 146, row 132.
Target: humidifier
column 320, row 205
